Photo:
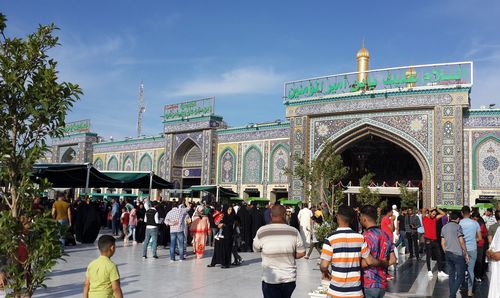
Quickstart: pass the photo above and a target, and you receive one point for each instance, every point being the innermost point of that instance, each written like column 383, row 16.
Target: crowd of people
column 357, row 258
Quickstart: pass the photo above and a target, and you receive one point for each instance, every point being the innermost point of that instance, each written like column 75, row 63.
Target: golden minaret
column 363, row 59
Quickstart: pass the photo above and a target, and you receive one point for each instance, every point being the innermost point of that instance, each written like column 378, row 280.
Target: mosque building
column 411, row 124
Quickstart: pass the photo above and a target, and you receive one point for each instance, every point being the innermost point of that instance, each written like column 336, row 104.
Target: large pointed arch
column 252, row 165
column 161, row 166
column 277, row 164
column 227, row 166
column 485, row 167
column 112, row 164
column 341, row 142
column 182, row 152
column 146, row 163
column 99, row 164
column 128, row 164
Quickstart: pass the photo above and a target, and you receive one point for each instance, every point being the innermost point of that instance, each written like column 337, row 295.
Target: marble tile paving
column 191, row 278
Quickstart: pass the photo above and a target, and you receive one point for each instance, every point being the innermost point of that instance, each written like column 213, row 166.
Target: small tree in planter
column 33, row 107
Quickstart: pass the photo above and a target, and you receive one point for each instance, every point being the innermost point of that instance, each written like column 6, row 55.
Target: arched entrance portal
column 187, row 164
column 389, row 156
column 389, row 162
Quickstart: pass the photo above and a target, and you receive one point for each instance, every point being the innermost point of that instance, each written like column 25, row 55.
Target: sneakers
column 156, row 257
column 144, row 257
column 442, row 274
column 429, row 274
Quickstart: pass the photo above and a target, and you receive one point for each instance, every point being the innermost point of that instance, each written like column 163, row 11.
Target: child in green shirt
column 102, row 279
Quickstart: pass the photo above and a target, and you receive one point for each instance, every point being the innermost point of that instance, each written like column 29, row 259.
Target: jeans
column 115, row 224
column 432, row 246
column 456, row 272
column 479, row 268
column 63, row 222
column 470, row 268
column 151, row 234
column 374, row 292
column 412, row 239
column 131, row 231
column 176, row 238
column 283, row 290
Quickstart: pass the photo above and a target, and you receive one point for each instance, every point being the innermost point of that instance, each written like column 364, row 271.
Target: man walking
column 152, row 222
column 380, row 246
column 472, row 233
column 342, row 251
column 280, row 245
column 453, row 245
column 304, row 217
column 62, row 213
column 431, row 241
column 176, row 219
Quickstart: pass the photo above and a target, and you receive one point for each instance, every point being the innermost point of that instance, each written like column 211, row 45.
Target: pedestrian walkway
column 191, row 278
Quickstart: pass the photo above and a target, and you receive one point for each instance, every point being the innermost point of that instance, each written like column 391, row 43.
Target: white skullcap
column 394, row 207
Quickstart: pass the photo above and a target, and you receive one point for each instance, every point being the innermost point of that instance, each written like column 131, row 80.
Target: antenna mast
column 142, row 109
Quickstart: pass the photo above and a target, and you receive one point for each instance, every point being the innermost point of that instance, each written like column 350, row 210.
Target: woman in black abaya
column 92, row 224
column 223, row 246
column 140, row 230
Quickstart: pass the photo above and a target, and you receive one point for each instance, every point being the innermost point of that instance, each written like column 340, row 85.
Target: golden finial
column 363, row 59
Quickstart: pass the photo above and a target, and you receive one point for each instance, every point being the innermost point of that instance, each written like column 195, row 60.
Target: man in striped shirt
column 342, row 251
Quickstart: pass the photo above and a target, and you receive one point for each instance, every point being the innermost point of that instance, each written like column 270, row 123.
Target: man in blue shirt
column 115, row 213
column 472, row 233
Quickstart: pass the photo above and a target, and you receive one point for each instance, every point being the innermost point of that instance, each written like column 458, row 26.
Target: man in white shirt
column 488, row 218
column 304, row 217
column 280, row 244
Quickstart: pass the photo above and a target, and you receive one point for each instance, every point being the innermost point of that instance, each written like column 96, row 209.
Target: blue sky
column 242, row 52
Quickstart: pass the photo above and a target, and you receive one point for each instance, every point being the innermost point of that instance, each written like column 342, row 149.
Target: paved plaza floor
column 192, row 278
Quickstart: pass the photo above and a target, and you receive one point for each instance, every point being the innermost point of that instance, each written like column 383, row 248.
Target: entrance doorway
column 389, row 162
column 278, row 194
column 251, row 193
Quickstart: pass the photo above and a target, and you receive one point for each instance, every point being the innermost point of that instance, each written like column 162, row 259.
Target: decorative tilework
column 370, row 104
column 112, row 164
column 448, row 130
column 128, row 164
column 99, row 164
column 467, row 180
column 252, row 165
column 196, row 137
column 146, row 163
column 487, row 164
column 254, row 135
column 483, row 121
column 133, row 145
column 397, row 122
column 279, row 161
column 162, row 165
column 227, row 166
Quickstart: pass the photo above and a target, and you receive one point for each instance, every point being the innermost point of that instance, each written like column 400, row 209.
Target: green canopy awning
column 138, row 180
column 72, row 175
column 450, row 207
column 290, row 202
column 223, row 192
column 75, row 176
column 483, row 205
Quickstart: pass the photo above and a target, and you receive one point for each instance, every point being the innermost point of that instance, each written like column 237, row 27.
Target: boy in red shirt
column 431, row 240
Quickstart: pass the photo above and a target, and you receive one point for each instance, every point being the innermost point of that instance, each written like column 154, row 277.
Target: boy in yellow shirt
column 102, row 279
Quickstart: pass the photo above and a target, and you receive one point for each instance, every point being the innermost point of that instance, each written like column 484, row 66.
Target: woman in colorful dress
column 200, row 229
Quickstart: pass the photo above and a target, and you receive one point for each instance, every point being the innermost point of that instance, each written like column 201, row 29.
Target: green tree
column 319, row 175
column 366, row 196
column 33, row 107
column 408, row 198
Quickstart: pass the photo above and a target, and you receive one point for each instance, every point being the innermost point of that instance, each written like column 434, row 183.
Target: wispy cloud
column 244, row 80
